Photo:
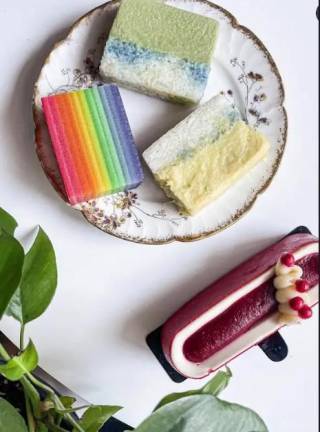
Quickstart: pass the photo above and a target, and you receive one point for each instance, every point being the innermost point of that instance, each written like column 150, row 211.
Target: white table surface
column 112, row 293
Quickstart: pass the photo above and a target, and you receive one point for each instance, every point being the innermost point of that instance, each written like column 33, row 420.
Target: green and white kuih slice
column 160, row 50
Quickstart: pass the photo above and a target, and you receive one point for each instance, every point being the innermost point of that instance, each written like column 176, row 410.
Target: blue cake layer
column 130, row 53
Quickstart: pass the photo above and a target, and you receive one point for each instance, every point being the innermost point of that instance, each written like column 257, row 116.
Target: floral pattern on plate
column 243, row 69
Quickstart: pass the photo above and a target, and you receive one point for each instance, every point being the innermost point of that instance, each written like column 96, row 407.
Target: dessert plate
column 242, row 69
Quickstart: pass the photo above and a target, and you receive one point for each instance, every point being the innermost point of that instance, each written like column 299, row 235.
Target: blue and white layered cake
column 205, row 154
column 160, row 50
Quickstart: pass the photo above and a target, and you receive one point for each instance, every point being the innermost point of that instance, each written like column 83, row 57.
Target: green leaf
column 176, row 396
column 38, row 281
column 10, row 419
column 14, row 308
column 219, row 382
column 203, row 413
column 11, row 262
column 214, row 387
column 95, row 417
column 67, row 401
column 71, row 410
column 41, row 427
column 18, row 366
column 7, row 222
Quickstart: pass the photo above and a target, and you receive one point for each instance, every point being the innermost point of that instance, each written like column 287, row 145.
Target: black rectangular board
column 115, row 425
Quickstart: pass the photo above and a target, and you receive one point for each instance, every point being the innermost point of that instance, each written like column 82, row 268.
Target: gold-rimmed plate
column 242, row 69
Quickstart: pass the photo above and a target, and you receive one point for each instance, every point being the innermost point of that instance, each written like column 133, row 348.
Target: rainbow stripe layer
column 93, row 143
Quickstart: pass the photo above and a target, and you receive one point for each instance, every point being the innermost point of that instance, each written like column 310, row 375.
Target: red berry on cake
column 287, row 260
column 296, row 303
column 302, row 285
column 305, row 312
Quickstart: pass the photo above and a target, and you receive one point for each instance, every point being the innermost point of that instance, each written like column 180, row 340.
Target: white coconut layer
column 165, row 78
column 205, row 125
column 244, row 342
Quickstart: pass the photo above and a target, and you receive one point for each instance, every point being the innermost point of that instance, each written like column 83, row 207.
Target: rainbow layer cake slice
column 160, row 50
column 92, row 142
column 205, row 154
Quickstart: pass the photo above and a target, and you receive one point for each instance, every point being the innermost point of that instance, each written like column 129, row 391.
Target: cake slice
column 276, row 287
column 92, row 142
column 205, row 154
column 160, row 50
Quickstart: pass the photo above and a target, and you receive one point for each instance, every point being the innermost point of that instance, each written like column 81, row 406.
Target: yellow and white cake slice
column 205, row 154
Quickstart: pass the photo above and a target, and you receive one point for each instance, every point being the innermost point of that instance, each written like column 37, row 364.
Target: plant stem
column 66, row 411
column 57, row 401
column 3, row 353
column 55, row 428
column 22, row 329
column 40, row 384
column 27, row 386
column 30, row 418
column 37, row 383
column 68, row 417
column 33, row 395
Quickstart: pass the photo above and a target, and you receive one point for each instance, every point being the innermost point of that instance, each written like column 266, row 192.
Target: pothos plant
column 27, row 285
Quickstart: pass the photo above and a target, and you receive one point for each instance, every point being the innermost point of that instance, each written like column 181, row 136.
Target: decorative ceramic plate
column 242, row 69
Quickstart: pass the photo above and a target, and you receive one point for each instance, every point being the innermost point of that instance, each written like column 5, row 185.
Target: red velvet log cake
column 278, row 286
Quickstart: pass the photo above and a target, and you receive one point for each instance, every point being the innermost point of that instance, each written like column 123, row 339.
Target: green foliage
column 32, row 394
column 201, row 410
column 214, row 387
column 11, row 262
column 96, row 416
column 205, row 413
column 38, row 281
column 41, row 427
column 7, row 222
column 67, row 401
column 27, row 286
column 10, row 419
column 19, row 365
column 218, row 383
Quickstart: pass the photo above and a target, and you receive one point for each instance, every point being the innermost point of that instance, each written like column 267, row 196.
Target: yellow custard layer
column 202, row 176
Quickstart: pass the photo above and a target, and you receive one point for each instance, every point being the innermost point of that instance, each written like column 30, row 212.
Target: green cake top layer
column 159, row 27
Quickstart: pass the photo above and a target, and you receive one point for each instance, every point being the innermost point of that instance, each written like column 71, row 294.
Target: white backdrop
column 112, row 293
